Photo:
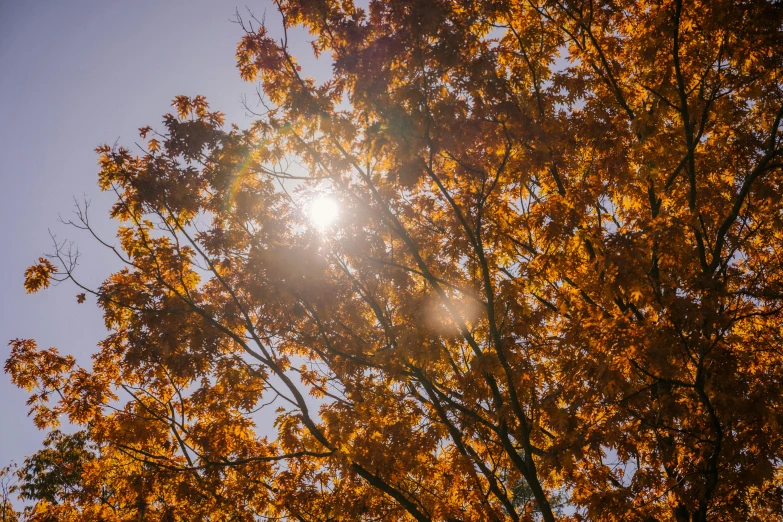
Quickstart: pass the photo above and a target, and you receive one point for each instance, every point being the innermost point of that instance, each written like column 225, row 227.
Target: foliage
column 556, row 273
column 52, row 474
column 7, row 511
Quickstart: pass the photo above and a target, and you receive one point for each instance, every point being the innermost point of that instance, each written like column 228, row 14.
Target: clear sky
column 75, row 74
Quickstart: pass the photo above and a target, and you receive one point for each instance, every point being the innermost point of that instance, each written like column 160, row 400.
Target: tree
column 7, row 511
column 554, row 289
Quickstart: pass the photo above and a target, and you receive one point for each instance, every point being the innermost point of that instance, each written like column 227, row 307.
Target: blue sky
column 74, row 75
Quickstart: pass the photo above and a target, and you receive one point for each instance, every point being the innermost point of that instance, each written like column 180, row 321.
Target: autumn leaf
column 39, row 275
column 554, row 290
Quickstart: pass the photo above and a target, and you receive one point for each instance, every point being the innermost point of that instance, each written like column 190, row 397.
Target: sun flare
column 323, row 212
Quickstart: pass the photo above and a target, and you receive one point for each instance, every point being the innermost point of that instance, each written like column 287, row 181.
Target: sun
column 323, row 212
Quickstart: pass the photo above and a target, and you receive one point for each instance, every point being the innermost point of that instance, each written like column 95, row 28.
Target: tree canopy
column 553, row 289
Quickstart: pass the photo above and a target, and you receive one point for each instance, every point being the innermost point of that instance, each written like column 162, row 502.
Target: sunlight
column 323, row 212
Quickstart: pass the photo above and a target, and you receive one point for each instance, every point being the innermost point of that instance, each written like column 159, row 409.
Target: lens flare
column 323, row 212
